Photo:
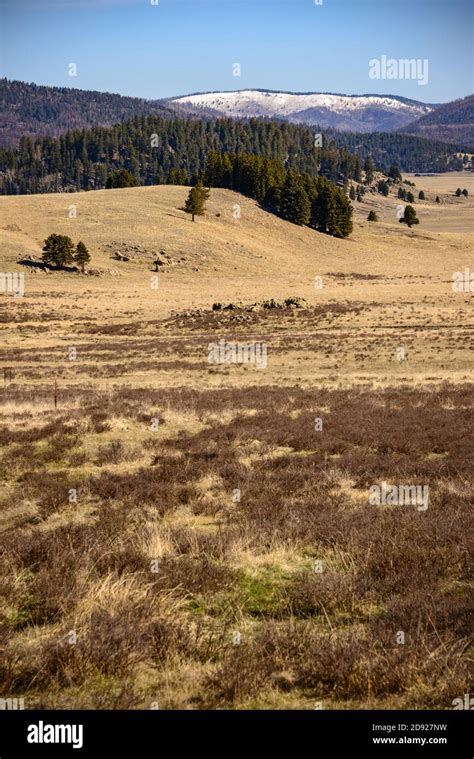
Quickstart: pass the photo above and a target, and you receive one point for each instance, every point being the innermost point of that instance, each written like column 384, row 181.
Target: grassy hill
column 236, row 252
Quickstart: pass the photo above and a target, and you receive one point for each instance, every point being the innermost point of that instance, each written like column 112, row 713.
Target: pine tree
column 227, row 171
column 410, row 216
column 372, row 216
column 178, row 176
column 122, row 178
column 342, row 225
column 294, row 204
column 458, row 192
column 421, row 195
column 394, row 172
column 410, row 197
column 196, row 200
column 331, row 211
column 465, row 193
column 82, row 256
column 272, row 199
column 320, row 209
column 437, row 199
column 352, row 193
column 369, row 170
column 58, row 250
column 214, row 170
column 356, row 171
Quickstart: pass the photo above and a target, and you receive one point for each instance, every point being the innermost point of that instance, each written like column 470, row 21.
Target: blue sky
column 182, row 46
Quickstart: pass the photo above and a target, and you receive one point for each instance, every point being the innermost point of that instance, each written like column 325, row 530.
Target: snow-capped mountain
column 359, row 113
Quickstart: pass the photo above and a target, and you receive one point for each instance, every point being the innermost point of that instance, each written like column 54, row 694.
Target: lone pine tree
column 82, row 256
column 410, row 216
column 196, row 200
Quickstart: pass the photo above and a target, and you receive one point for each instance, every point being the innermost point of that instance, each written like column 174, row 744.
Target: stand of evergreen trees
column 409, row 152
column 297, row 197
column 155, row 150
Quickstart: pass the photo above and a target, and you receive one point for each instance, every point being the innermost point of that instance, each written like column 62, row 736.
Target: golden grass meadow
column 180, row 534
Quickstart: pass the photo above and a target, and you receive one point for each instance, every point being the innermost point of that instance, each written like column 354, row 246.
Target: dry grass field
column 183, row 534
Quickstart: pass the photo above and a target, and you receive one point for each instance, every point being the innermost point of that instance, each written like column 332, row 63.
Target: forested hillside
column 410, row 153
column 36, row 111
column 300, row 198
column 157, row 150
column 452, row 122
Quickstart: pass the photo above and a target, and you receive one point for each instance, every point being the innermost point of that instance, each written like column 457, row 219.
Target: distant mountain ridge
column 357, row 113
column 41, row 111
column 452, row 122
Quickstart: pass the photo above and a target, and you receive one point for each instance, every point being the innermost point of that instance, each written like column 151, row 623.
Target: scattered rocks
column 160, row 260
column 123, row 251
column 289, row 303
column 224, row 314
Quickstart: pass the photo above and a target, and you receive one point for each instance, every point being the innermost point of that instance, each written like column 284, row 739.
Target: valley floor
column 186, row 534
